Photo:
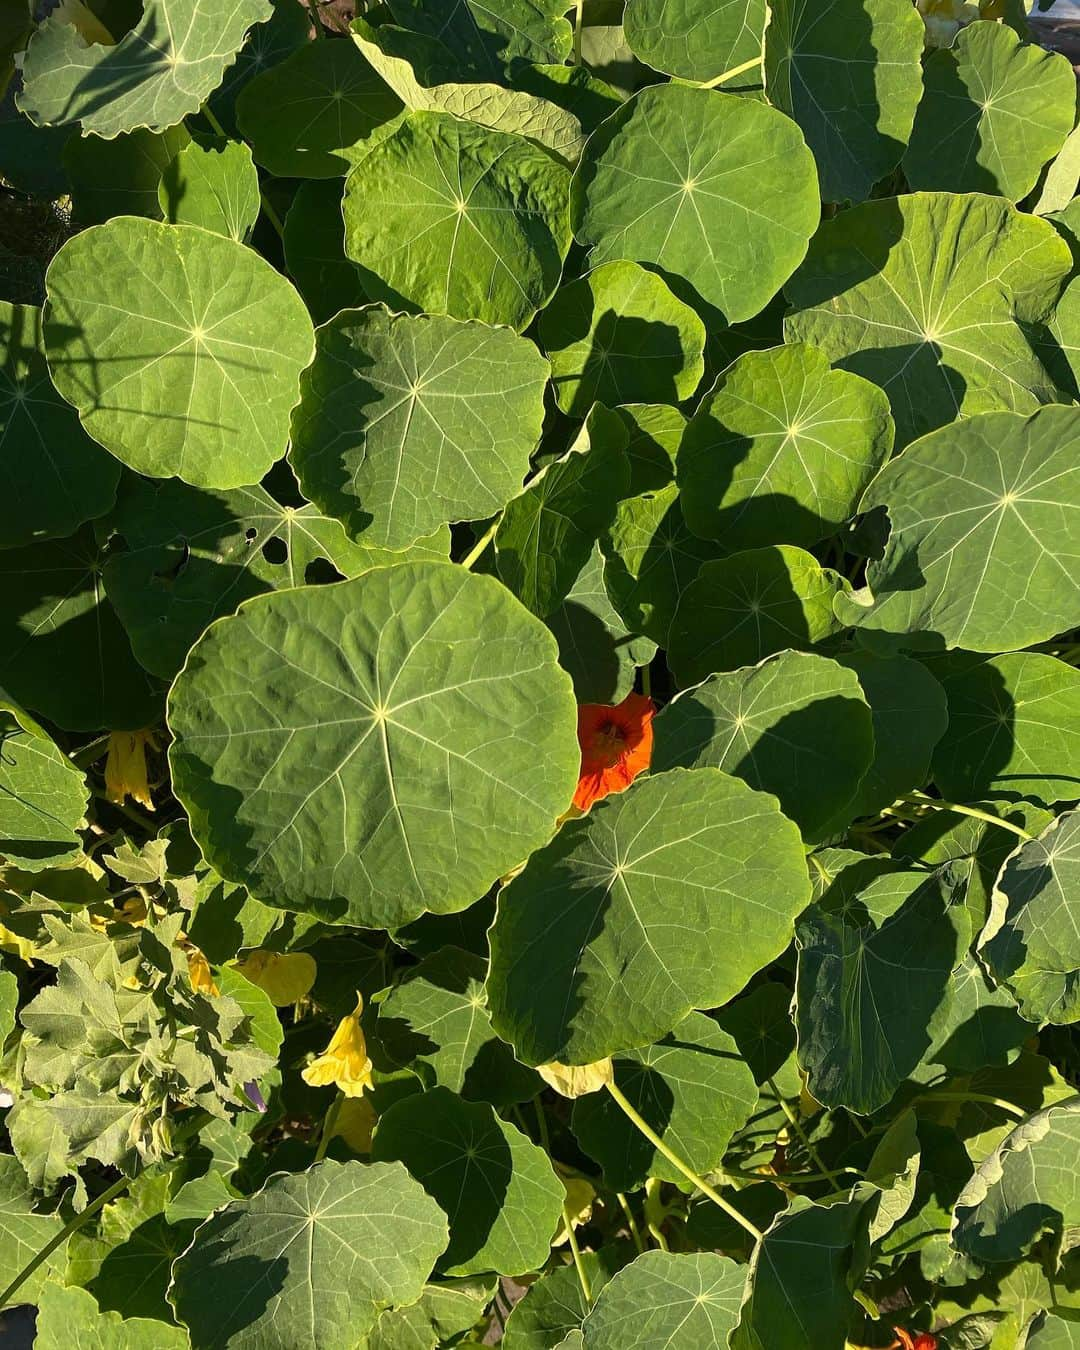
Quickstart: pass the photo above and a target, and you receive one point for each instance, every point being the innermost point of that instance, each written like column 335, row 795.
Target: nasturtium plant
column 539, row 675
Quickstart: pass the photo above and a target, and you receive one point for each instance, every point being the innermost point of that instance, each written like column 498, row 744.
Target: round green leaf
column 857, row 123
column 43, row 795
column 182, row 350
column 869, row 993
column 435, row 1022
column 53, row 476
column 715, row 190
column 306, row 116
column 63, row 652
column 166, row 67
column 964, row 504
column 408, row 422
column 371, row 750
column 605, row 940
column 452, row 218
column 193, row 555
column 982, row 1026
column 1031, row 942
column 1025, row 1188
column 72, row 1316
column 1051, row 1332
column 497, row 1188
column 214, row 185
column 910, row 715
column 994, row 111
column 314, row 247
column 488, row 39
column 668, row 1301
column 927, row 295
column 743, row 608
column 781, row 450
column 797, row 726
column 696, row 39
column 308, row 1262
column 693, row 1087
column 651, row 559
column 1014, row 727
column 554, row 1305
column 23, row 1233
column 655, row 431
column 547, row 532
column 618, row 334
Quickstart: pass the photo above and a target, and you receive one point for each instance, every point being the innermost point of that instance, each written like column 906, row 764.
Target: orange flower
column 906, row 1340
column 616, row 745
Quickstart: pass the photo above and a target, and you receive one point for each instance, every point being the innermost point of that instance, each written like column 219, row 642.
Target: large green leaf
column 182, row 350
column 314, row 247
column 446, row 1310
column 370, row 750
column 604, row 941
column 194, row 554
column 71, row 1316
column 667, row 1301
column 453, row 218
column 857, row 123
column 23, row 1233
column 870, row 993
column 618, row 335
column 308, row 117
column 63, row 652
column 408, row 422
column 695, row 1090
column 981, row 1026
column 555, row 1305
column 166, row 67
column 435, row 1022
column 1025, row 1188
column 1031, row 942
column 547, row 532
column 797, row 726
column 308, row 1262
column 429, row 87
column 798, row 1291
column 994, row 111
column 910, row 716
column 497, row 1188
column 487, row 38
column 743, row 608
column 781, row 450
column 212, row 184
column 267, row 45
column 1014, row 727
column 964, row 504
column 717, row 191
column 696, row 39
column 927, row 295
column 54, row 477
column 43, row 795
column 1051, row 1332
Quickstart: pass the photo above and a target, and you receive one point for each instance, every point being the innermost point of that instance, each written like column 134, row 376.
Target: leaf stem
column 579, row 17
column 87, row 754
column 72, row 1226
column 631, row 1222
column 1010, row 1108
column 733, row 73
column 933, row 804
column 477, row 551
column 329, row 1121
column 677, row 1162
column 575, row 1250
column 803, row 1137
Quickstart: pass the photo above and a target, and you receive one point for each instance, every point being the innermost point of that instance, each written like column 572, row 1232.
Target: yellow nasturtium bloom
column 125, row 767
column 199, row 973
column 577, row 1080
column 344, row 1063
column 578, row 1206
column 284, row 979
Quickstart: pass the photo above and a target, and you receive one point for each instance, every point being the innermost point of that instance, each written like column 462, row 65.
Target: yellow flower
column 125, row 767
column 284, row 979
column 202, row 981
column 576, row 1080
column 356, row 1123
column 578, row 1206
column 345, row 1061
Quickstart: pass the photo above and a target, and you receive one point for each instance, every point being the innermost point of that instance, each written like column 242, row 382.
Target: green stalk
column 476, row 552
column 677, row 1162
column 733, row 73
column 1010, row 1108
column 631, row 1222
column 976, row 813
column 575, row 1250
column 329, row 1121
column 579, row 17
column 803, row 1137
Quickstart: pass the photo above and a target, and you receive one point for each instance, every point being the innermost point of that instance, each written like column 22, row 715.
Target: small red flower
column 906, row 1340
column 616, row 745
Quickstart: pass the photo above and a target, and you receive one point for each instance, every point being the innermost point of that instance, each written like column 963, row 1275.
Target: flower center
column 610, row 743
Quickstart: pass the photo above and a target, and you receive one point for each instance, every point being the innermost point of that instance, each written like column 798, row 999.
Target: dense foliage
column 539, row 710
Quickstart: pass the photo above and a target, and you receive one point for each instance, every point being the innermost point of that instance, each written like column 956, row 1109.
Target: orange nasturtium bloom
column 906, row 1340
column 616, row 745
column 345, row 1061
